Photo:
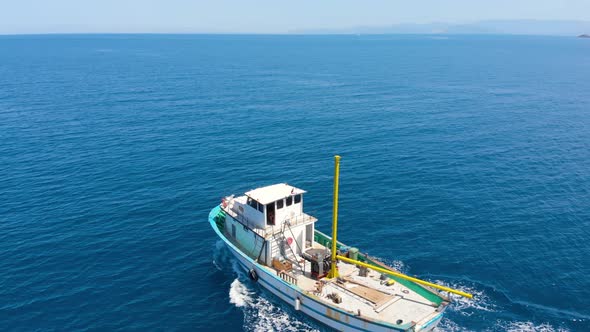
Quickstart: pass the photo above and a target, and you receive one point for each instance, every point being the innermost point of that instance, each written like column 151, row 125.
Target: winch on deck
column 320, row 262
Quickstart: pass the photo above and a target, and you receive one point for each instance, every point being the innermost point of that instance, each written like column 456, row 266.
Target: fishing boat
column 277, row 245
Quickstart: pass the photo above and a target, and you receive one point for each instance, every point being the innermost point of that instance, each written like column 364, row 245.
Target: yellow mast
column 334, row 268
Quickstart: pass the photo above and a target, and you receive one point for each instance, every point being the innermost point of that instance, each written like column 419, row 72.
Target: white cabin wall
column 299, row 236
column 289, row 212
column 301, row 239
column 254, row 216
column 309, row 233
column 269, row 253
column 275, row 244
column 280, row 214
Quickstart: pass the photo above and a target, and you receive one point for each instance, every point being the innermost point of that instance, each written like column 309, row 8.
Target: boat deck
column 369, row 296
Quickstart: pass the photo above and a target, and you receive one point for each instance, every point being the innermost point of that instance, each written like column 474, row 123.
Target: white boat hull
column 311, row 305
column 332, row 317
column 322, row 313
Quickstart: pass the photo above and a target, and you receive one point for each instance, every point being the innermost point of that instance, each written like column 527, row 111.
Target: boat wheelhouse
column 277, row 244
column 269, row 223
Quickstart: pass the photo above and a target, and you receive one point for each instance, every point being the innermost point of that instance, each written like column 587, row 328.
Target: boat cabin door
column 270, row 214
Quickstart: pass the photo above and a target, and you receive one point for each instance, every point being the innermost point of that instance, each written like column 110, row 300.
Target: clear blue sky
column 265, row 16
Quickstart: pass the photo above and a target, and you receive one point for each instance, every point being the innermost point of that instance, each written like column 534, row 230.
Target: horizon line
column 553, row 27
column 285, row 34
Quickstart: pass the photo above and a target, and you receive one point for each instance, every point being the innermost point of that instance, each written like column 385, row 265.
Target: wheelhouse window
column 280, row 204
column 297, row 198
column 255, row 205
column 289, row 200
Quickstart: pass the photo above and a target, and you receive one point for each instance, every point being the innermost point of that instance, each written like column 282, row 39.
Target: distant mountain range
column 513, row 27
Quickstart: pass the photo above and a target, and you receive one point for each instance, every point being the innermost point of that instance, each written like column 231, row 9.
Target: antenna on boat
column 333, row 266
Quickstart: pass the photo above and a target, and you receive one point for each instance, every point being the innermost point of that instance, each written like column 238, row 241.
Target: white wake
column 260, row 314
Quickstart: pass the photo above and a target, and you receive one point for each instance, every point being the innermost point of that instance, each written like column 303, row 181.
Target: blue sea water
column 465, row 160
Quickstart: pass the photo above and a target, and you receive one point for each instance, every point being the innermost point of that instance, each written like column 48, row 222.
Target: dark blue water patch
column 465, row 161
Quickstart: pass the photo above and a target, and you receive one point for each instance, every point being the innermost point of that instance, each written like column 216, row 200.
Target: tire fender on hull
column 253, row 275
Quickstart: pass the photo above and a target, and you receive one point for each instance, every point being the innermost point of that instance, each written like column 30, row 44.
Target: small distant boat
column 277, row 244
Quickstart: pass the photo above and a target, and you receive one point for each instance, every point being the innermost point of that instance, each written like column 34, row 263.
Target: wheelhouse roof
column 269, row 194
